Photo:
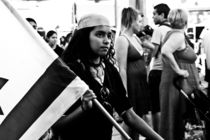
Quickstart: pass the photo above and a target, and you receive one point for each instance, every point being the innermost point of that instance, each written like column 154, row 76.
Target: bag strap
column 188, row 40
column 165, row 23
column 168, row 34
column 130, row 43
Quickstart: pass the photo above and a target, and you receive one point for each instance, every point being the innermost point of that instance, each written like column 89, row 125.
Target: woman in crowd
column 132, row 67
column 178, row 60
column 52, row 38
column 90, row 55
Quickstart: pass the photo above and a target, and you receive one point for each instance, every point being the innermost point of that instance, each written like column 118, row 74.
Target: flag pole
column 36, row 37
column 116, row 125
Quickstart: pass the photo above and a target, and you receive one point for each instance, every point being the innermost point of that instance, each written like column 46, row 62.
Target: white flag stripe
column 22, row 62
column 36, row 79
column 74, row 91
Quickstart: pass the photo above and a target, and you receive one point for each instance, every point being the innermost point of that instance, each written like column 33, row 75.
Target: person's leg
column 156, row 121
column 133, row 134
column 154, row 82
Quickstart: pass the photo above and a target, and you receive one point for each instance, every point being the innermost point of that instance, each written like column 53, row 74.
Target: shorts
column 154, row 83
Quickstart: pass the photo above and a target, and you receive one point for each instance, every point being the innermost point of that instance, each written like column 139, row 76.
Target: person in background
column 51, row 39
column 178, row 61
column 68, row 38
column 62, row 42
column 132, row 67
column 90, row 55
column 206, row 45
column 160, row 15
column 32, row 22
column 41, row 32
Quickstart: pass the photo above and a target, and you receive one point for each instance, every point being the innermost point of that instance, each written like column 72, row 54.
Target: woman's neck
column 95, row 62
column 128, row 32
column 53, row 46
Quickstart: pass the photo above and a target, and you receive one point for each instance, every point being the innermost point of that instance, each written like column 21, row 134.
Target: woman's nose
column 106, row 40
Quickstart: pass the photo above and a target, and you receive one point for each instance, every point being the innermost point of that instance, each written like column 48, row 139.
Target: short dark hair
column 162, row 8
column 50, row 33
column 31, row 20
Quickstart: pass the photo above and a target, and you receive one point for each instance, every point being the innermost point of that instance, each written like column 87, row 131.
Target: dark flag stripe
column 1, row 112
column 55, row 79
column 2, row 83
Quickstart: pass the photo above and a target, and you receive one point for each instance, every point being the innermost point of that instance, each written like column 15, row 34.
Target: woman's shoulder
column 121, row 45
column 179, row 34
column 110, row 66
column 174, row 37
column 77, row 67
column 122, row 39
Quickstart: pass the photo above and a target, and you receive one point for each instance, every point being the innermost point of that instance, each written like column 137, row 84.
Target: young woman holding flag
column 90, row 55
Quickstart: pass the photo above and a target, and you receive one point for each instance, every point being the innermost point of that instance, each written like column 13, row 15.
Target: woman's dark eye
column 100, row 35
column 109, row 36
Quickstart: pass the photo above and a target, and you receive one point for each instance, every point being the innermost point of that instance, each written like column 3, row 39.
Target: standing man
column 206, row 45
column 160, row 15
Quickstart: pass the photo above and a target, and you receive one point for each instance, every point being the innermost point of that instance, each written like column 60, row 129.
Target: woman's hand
column 87, row 100
column 183, row 73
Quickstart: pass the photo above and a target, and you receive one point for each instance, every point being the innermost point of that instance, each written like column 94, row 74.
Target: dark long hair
column 79, row 48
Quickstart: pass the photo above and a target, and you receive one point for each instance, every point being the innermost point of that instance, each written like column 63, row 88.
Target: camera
column 147, row 30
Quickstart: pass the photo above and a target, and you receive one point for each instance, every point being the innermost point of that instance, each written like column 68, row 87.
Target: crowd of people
column 126, row 80
column 51, row 37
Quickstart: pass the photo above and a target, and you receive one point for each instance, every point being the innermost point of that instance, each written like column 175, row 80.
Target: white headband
column 92, row 20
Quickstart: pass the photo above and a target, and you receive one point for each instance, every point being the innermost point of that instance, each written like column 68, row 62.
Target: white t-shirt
column 206, row 45
column 157, row 38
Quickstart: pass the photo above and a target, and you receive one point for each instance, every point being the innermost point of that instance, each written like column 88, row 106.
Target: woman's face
column 52, row 40
column 138, row 24
column 100, row 40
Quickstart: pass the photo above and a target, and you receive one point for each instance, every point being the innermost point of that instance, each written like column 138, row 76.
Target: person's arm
column 175, row 42
column 121, row 47
column 137, row 123
column 79, row 112
column 206, row 45
column 148, row 44
column 156, row 40
column 156, row 49
column 65, row 120
column 145, row 41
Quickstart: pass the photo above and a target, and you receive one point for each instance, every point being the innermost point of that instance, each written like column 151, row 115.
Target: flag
column 36, row 87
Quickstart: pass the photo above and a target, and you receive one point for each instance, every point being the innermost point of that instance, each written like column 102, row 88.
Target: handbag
column 188, row 54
